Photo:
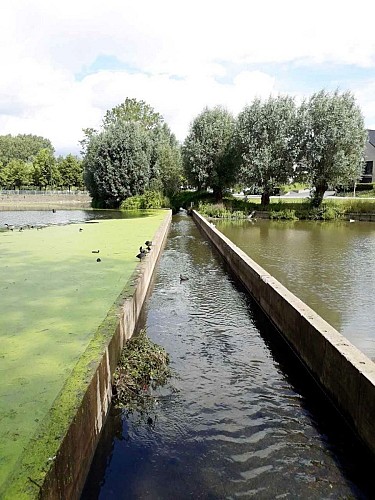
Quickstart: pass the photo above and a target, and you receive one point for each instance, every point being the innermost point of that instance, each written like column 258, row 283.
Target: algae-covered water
column 54, row 295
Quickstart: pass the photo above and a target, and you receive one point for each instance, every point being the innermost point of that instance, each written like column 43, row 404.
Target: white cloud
column 177, row 57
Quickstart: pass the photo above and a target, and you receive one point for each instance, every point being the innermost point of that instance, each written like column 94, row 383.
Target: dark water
column 22, row 218
column 329, row 265
column 240, row 418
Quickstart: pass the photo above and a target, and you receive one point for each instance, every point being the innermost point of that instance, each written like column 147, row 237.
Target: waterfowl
column 10, row 227
column 351, row 220
column 183, row 278
column 80, row 229
column 141, row 255
column 250, row 216
column 148, row 243
column 95, row 251
column 98, row 260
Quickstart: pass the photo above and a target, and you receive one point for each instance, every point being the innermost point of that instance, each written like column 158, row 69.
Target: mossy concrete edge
column 58, row 458
column 343, row 371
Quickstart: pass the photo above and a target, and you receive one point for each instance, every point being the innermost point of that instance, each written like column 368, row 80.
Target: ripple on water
column 238, row 422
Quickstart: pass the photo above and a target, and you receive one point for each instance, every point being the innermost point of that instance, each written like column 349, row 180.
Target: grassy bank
column 288, row 209
column 55, row 295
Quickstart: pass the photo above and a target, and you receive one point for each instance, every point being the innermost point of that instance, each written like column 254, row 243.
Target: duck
column 10, row 227
column 98, row 260
column 95, row 251
column 183, row 278
column 148, row 243
column 141, row 255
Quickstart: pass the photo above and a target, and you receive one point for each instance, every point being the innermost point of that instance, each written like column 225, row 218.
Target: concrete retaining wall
column 68, row 473
column 345, row 373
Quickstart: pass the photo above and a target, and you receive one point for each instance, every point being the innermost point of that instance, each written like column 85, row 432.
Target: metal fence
column 41, row 193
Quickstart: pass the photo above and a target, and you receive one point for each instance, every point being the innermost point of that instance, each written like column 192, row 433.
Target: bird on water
column 183, row 277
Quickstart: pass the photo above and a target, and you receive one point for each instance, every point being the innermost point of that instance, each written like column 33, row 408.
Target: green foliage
column 45, row 172
column 147, row 200
column 143, row 367
column 264, row 143
column 186, row 199
column 117, row 163
column 206, row 155
column 132, row 110
column 23, row 147
column 286, row 214
column 331, row 137
column 134, row 151
column 220, row 211
column 71, row 171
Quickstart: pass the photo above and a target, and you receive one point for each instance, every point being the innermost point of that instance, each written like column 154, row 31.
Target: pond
column 23, row 218
column 328, row 265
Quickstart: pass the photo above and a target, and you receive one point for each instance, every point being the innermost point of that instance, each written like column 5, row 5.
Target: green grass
column 54, row 296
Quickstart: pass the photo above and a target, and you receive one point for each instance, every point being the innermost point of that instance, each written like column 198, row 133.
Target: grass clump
column 220, row 211
column 143, row 367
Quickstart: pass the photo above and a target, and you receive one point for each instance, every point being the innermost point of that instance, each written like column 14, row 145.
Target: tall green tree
column 19, row 174
column 45, row 172
column 205, row 151
column 23, row 147
column 264, row 143
column 166, row 161
column 132, row 110
column 133, row 151
column 117, row 163
column 332, row 139
column 71, row 171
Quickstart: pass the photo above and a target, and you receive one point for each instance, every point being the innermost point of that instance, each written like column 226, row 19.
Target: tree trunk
column 265, row 200
column 218, row 193
column 318, row 195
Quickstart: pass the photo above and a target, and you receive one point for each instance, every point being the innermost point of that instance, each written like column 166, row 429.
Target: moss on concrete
column 54, row 296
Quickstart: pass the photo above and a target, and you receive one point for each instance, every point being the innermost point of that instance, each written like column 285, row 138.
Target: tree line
column 320, row 142
column 274, row 142
column 28, row 161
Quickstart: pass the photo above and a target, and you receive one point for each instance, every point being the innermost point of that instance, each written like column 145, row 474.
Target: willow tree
column 264, row 143
column 332, row 139
column 205, row 151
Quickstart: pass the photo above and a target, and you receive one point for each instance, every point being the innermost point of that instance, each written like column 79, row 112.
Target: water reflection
column 242, row 419
column 328, row 265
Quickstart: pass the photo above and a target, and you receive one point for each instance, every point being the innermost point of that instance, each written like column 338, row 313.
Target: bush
column 147, row 200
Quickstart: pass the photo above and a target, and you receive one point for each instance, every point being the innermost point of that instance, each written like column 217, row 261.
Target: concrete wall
column 345, row 373
column 68, row 473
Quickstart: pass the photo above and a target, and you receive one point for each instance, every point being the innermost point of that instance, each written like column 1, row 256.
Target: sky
column 64, row 64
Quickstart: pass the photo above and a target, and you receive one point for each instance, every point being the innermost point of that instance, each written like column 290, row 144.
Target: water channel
column 329, row 265
column 240, row 417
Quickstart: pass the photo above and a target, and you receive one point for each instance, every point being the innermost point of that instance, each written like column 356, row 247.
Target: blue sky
column 65, row 63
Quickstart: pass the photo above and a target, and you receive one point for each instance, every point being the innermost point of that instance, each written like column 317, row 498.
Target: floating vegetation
column 143, row 367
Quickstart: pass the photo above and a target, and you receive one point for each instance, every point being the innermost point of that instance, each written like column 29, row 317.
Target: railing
column 40, row 193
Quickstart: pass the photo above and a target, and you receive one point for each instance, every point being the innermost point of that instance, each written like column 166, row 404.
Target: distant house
column 369, row 174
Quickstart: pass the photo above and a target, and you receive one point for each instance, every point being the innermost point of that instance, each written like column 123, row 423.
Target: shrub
column 147, row 200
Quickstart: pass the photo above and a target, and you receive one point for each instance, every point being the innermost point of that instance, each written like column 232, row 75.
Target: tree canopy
column 332, row 140
column 117, row 163
column 134, row 151
column 23, row 147
column 206, row 150
column 263, row 143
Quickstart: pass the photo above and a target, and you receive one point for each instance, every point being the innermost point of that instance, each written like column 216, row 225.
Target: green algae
column 54, row 296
